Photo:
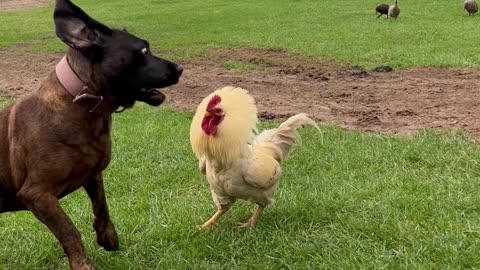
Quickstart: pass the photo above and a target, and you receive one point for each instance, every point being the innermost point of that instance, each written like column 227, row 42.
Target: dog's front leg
column 46, row 208
column 103, row 226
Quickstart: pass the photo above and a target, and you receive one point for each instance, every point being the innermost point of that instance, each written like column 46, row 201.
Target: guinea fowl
column 394, row 10
column 382, row 9
column 470, row 6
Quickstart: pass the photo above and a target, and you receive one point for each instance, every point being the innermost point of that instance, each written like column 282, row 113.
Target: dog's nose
column 179, row 69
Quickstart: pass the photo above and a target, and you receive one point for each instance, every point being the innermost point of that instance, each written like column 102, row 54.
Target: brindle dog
column 57, row 139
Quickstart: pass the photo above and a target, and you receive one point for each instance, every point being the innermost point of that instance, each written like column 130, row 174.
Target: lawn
column 427, row 33
column 347, row 199
column 351, row 200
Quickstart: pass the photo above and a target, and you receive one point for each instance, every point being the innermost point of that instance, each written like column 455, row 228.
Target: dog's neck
column 82, row 95
column 69, row 79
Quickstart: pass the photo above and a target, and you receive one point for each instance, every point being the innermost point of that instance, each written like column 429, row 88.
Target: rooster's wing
column 261, row 170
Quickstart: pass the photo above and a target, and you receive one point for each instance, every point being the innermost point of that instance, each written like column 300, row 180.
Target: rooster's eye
column 218, row 111
column 144, row 51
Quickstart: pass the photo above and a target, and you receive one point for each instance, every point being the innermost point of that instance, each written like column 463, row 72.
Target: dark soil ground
column 283, row 84
column 11, row 5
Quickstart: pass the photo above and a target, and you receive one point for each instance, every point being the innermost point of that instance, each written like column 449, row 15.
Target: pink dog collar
column 68, row 78
column 74, row 86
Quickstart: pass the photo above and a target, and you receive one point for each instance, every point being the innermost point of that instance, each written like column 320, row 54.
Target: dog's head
column 118, row 61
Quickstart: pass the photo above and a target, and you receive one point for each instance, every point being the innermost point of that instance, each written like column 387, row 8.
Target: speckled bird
column 470, row 6
column 394, row 10
column 382, row 9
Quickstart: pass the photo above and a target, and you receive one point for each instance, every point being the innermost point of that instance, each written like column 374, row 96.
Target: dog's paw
column 108, row 238
column 84, row 264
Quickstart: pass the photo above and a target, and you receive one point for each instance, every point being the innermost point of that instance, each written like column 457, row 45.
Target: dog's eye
column 145, row 51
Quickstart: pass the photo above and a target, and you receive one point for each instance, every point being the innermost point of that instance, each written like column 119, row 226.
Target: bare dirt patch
column 395, row 102
column 11, row 5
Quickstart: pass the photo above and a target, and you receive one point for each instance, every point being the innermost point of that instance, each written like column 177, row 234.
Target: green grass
column 242, row 67
column 356, row 200
column 427, row 33
column 348, row 201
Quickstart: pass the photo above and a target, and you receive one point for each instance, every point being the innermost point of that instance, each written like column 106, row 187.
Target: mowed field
column 427, row 33
column 347, row 199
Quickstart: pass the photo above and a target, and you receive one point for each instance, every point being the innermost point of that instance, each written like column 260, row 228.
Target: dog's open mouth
column 151, row 96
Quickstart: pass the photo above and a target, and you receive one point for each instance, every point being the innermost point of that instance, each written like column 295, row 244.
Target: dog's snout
column 178, row 69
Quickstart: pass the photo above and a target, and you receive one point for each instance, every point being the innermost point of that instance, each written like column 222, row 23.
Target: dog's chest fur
column 51, row 138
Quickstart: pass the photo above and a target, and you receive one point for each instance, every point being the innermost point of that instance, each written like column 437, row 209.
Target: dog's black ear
column 76, row 29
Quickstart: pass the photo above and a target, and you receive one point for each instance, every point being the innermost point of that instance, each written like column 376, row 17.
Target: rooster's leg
column 253, row 220
column 209, row 224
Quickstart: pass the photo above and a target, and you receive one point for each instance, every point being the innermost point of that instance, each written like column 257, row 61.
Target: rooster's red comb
column 213, row 102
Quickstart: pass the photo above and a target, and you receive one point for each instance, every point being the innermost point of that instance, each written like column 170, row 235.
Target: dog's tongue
column 152, row 97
